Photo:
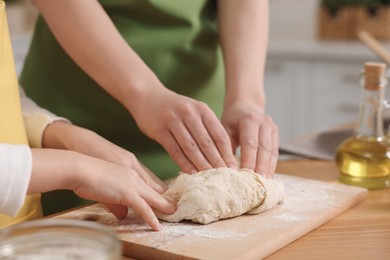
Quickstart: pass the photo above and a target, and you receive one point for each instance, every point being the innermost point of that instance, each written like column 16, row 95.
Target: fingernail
column 193, row 171
column 264, row 174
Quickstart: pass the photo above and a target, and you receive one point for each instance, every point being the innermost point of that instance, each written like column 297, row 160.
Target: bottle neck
column 371, row 110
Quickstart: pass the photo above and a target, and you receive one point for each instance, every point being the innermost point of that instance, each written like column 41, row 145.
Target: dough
column 221, row 193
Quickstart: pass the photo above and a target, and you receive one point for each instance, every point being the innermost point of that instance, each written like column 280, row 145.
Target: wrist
column 251, row 95
column 82, row 168
column 143, row 94
column 141, row 88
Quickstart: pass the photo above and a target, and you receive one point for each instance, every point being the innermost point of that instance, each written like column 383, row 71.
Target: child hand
column 115, row 185
column 120, row 187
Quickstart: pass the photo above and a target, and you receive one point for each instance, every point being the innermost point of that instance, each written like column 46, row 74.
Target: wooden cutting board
column 308, row 204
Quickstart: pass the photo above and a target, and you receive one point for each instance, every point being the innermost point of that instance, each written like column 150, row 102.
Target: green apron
column 178, row 40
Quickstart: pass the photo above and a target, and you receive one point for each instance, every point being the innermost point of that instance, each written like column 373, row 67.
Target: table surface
column 363, row 232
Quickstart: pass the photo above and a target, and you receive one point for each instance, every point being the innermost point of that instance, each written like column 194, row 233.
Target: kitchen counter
column 341, row 51
column 362, row 232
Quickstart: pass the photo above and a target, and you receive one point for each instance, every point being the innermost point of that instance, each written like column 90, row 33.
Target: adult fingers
column 249, row 134
column 233, row 138
column 265, row 149
column 275, row 150
column 221, row 138
column 189, row 145
column 172, row 147
column 205, row 142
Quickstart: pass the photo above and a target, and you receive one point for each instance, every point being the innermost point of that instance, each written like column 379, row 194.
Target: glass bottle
column 364, row 159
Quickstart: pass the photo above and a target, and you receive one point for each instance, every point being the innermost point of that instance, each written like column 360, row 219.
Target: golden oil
column 364, row 162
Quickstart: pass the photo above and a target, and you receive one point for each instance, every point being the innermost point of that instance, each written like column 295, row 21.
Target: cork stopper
column 374, row 73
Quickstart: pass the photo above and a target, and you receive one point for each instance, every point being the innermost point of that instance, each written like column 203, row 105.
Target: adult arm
column 243, row 27
column 186, row 128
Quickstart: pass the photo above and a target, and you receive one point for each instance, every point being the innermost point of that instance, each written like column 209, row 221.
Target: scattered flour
column 310, row 197
column 291, row 218
column 303, row 201
column 170, row 232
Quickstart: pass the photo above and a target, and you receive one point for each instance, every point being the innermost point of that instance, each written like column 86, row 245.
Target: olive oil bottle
column 364, row 159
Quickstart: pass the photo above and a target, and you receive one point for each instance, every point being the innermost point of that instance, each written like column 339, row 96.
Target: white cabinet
column 284, row 91
column 312, row 87
column 334, row 96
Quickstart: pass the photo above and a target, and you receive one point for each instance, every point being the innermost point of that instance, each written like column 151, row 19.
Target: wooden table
column 362, row 232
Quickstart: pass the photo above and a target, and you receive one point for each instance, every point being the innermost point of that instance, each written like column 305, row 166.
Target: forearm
column 63, row 135
column 243, row 27
column 90, row 38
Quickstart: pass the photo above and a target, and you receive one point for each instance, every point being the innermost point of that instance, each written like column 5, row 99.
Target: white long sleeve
column 15, row 174
column 36, row 119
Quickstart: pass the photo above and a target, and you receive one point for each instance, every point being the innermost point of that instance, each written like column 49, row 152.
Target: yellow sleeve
column 36, row 119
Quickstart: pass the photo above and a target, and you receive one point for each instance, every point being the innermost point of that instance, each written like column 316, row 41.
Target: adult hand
column 257, row 135
column 188, row 130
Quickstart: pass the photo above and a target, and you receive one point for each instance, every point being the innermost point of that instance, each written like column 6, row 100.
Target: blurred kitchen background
column 312, row 84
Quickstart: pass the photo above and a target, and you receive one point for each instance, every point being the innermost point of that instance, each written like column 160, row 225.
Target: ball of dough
column 221, row 193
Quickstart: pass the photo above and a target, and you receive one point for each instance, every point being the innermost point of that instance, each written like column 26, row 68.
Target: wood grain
column 362, row 232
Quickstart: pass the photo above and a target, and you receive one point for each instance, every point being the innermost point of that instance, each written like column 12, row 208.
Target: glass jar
column 57, row 239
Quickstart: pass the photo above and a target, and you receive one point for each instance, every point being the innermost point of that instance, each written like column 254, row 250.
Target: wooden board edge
column 296, row 232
